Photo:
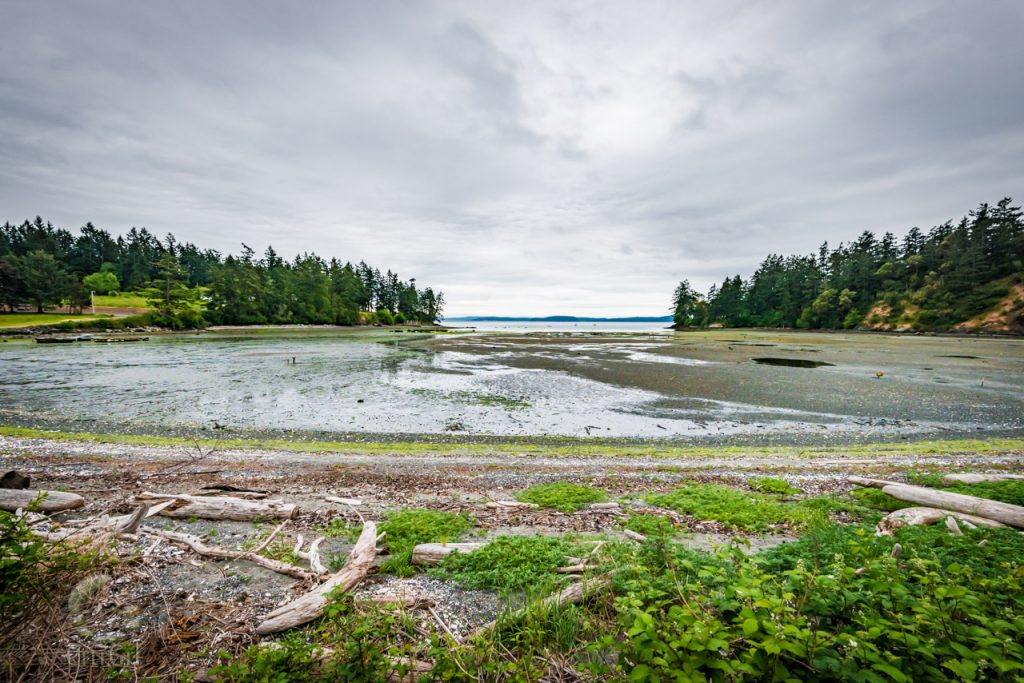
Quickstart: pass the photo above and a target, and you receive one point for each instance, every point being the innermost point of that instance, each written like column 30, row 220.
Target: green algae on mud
column 528, row 447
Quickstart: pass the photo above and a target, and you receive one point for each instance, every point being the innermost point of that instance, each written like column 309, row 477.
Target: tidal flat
column 718, row 387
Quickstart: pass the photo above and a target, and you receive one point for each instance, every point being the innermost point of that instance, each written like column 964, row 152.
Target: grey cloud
column 528, row 158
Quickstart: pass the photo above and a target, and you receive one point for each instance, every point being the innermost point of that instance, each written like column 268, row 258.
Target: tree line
column 928, row 280
column 42, row 267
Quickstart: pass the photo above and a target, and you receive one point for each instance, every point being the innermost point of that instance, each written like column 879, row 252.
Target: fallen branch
column 311, row 605
column 51, row 501
column 432, row 553
column 222, row 507
column 196, row 544
column 1012, row 515
column 924, row 516
column 633, row 535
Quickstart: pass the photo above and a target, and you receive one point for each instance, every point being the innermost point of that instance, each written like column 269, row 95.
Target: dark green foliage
column 46, row 266
column 508, row 563
column 562, row 496
column 949, row 275
column 1005, row 491
column 735, row 508
column 406, row 528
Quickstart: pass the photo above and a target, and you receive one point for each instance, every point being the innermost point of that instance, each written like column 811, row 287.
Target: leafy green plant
column 862, row 616
column 775, row 485
column 405, row 528
column 734, row 508
column 507, row 562
column 562, row 496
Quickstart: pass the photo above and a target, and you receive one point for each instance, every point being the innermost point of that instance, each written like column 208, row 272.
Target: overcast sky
column 528, row 157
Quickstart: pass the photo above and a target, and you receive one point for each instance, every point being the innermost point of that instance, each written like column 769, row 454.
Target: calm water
column 694, row 387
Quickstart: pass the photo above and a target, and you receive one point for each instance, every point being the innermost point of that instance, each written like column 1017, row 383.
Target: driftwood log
column 311, row 605
column 636, row 536
column 52, row 501
column 923, row 516
column 196, row 545
column 1011, row 515
column 222, row 507
column 432, row 553
column 979, row 478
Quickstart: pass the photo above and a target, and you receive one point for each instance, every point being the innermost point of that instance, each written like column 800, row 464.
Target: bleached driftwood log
column 923, row 516
column 570, row 595
column 119, row 524
column 979, row 478
column 196, row 544
column 432, row 553
column 1012, row 515
column 351, row 502
column 311, row 605
column 312, row 555
column 52, row 501
column 222, row 507
column 415, row 669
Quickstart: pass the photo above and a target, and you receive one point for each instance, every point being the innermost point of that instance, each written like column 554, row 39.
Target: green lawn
column 33, row 319
column 123, row 300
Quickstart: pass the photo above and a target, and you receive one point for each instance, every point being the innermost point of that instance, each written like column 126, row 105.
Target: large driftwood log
column 52, row 501
column 196, row 544
column 311, row 605
column 432, row 553
column 570, row 595
column 979, row 478
column 923, row 516
column 1012, row 515
column 222, row 507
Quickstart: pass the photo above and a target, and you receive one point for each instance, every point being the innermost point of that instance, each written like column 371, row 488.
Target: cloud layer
column 528, row 158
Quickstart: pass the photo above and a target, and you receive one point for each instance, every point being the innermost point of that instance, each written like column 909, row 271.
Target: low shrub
column 405, row 528
column 876, row 499
column 863, row 615
column 507, row 563
column 562, row 496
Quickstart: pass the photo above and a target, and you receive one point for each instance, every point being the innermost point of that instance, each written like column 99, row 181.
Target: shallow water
column 688, row 386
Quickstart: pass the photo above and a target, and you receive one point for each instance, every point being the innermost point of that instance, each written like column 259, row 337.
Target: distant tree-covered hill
column 966, row 276
column 42, row 266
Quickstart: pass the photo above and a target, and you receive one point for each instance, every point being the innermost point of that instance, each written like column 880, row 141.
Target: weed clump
column 507, row 563
column 775, row 485
column 406, row 528
column 562, row 496
column 736, row 509
column 649, row 525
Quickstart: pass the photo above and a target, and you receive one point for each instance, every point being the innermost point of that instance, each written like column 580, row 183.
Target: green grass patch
column 41, row 319
column 650, row 525
column 876, row 499
column 507, row 563
column 406, row 528
column 519, row 446
column 339, row 528
column 562, row 496
column 775, row 485
column 123, row 300
column 735, row 508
